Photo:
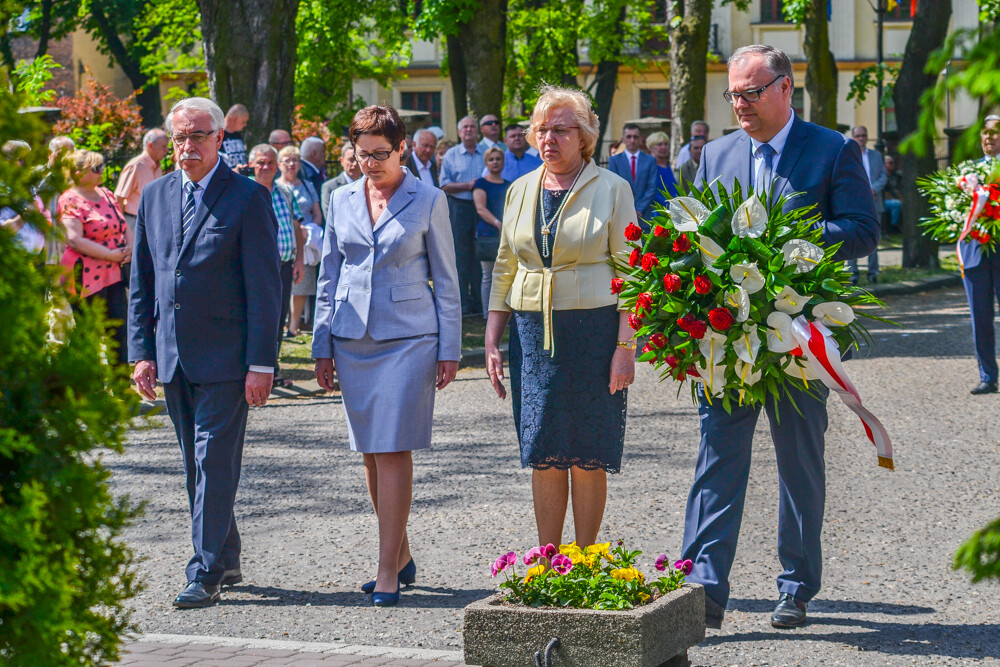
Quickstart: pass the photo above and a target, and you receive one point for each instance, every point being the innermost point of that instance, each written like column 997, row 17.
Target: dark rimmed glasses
column 749, row 96
column 381, row 156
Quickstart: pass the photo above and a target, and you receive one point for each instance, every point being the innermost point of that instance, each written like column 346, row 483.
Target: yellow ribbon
column 548, row 283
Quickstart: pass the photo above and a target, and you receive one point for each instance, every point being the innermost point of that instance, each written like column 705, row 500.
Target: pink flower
column 684, row 566
column 661, row 562
column 549, row 550
column 562, row 563
column 494, row 569
column 533, row 554
column 510, row 557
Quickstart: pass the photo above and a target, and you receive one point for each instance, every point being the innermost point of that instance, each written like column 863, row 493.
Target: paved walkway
column 889, row 595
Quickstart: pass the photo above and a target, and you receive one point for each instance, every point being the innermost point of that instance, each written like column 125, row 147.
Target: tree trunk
column 688, row 67
column 250, row 58
column 930, row 27
column 821, row 74
column 607, row 83
column 456, row 71
column 147, row 90
column 483, row 41
column 44, row 28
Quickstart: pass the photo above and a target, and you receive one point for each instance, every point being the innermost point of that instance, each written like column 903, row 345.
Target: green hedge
column 65, row 572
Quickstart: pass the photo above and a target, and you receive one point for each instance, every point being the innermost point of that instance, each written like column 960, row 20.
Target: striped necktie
column 187, row 215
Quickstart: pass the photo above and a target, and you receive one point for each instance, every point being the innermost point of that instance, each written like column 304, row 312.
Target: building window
column 654, row 102
column 799, row 102
column 659, row 12
column 901, row 12
column 423, row 101
column 772, row 11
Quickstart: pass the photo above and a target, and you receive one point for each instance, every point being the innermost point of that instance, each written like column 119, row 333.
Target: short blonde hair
column 290, row 150
column 657, row 138
column 494, row 149
column 81, row 161
column 557, row 97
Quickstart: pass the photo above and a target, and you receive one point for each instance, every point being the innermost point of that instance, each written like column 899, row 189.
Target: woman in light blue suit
column 390, row 336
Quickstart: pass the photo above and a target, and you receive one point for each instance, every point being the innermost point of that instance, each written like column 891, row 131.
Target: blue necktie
column 762, row 184
column 187, row 215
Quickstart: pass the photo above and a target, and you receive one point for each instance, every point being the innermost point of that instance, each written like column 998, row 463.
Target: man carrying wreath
column 779, row 154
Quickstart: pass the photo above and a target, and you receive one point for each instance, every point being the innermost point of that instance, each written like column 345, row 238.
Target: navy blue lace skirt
column 564, row 414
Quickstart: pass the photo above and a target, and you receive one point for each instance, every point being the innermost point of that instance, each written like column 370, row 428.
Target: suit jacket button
column 367, row 290
column 177, row 306
column 177, row 272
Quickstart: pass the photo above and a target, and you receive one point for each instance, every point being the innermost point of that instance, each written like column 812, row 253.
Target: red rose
column 647, row 348
column 635, row 322
column 697, row 329
column 649, row 260
column 658, row 340
column 720, row 318
column 702, row 285
column 974, row 234
column 633, row 232
column 644, row 301
column 685, row 322
column 633, row 259
column 672, row 361
column 617, row 285
column 671, row 282
column 984, row 238
column 659, row 230
column 682, row 244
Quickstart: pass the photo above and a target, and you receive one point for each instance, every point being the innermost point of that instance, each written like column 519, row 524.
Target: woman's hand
column 622, row 369
column 117, row 255
column 446, row 373
column 325, row 373
column 496, row 322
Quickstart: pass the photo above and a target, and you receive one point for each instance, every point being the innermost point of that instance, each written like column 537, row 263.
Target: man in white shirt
column 699, row 128
column 489, row 127
column 421, row 162
column 351, row 173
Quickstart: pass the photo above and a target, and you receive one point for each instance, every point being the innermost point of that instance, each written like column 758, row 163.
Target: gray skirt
column 388, row 391
column 308, row 285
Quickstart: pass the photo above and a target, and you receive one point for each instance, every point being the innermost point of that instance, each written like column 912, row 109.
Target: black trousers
column 210, row 420
column 470, row 274
column 115, row 298
column 286, row 299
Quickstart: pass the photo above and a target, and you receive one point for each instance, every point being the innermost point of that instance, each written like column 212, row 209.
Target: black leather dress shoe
column 231, row 577
column 197, row 595
column 714, row 613
column 790, row 613
column 984, row 388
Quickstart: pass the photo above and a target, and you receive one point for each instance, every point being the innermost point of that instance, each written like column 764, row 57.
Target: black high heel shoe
column 407, row 576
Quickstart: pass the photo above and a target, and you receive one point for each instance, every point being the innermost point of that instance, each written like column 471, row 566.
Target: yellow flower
column 643, row 597
column 600, row 550
column 574, row 552
column 628, row 574
column 533, row 572
column 592, row 560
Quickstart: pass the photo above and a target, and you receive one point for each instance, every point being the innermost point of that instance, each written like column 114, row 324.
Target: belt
column 548, row 282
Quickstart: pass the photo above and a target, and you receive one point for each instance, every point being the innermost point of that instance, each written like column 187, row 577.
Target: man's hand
column 258, row 387
column 324, row 373
column 144, row 375
column 446, row 373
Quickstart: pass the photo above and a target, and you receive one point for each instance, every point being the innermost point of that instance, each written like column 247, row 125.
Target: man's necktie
column 633, row 168
column 187, row 215
column 762, row 184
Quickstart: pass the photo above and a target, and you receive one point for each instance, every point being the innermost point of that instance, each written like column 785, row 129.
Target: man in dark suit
column 313, row 152
column 351, row 173
column 982, row 281
column 639, row 169
column 203, row 319
column 874, row 165
column 774, row 148
column 421, row 162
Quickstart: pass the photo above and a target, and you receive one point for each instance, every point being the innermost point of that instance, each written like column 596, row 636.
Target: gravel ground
column 889, row 596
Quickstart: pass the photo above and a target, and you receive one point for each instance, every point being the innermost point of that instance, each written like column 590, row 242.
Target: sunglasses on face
column 97, row 168
column 490, row 122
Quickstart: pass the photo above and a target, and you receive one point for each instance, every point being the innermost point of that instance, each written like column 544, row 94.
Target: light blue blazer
column 378, row 279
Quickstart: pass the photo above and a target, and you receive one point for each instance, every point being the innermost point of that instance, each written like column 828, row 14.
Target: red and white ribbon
column 819, row 347
column 970, row 184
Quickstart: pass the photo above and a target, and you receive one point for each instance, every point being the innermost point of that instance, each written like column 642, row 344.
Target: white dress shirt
column 777, row 142
column 424, row 170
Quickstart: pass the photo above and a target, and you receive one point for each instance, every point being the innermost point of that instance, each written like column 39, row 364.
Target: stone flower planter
column 658, row 634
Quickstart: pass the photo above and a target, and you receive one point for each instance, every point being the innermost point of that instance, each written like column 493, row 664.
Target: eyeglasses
column 195, row 137
column 489, row 122
column 561, row 131
column 749, row 96
column 381, row 156
column 98, row 168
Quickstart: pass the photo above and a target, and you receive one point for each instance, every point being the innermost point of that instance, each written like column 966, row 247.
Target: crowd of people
column 515, row 225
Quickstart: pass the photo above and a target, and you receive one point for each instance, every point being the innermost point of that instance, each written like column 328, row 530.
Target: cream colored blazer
column 590, row 229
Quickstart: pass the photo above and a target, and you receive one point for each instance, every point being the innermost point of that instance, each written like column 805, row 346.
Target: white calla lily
column 747, row 275
column 687, row 213
column 746, row 373
column 713, row 347
column 801, row 368
column 779, row 335
column 740, row 300
column 710, row 251
column 834, row 313
column 789, row 301
column 804, row 255
column 713, row 377
column 750, row 219
column 748, row 344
